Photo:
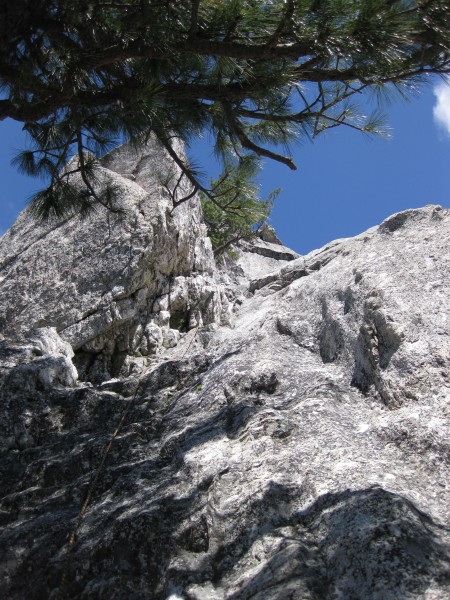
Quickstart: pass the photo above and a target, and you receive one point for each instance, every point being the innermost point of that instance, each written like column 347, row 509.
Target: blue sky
column 345, row 182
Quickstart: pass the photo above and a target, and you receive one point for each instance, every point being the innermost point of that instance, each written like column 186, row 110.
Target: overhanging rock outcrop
column 302, row 453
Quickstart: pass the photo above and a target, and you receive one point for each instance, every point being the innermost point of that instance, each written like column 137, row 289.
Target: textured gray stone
column 301, row 453
column 99, row 281
column 254, row 259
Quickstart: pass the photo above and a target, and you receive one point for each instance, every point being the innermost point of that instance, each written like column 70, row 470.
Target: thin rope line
column 93, row 484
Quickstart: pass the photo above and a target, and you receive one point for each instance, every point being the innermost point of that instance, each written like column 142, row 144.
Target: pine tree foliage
column 255, row 75
column 237, row 211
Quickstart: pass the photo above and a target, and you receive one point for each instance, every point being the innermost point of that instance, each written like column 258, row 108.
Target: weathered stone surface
column 101, row 281
column 254, row 259
column 302, row 453
column 29, row 373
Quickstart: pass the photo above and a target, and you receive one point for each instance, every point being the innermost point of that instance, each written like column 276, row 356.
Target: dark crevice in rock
column 180, row 320
column 331, row 336
column 272, row 253
column 195, row 538
column 265, row 382
column 83, row 362
column 377, row 342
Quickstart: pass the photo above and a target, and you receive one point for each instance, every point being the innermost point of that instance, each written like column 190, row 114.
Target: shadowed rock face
column 301, row 452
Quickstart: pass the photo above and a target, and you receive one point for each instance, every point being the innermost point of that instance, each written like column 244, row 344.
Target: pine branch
column 248, row 144
column 194, row 18
column 287, row 16
column 238, row 69
column 237, row 238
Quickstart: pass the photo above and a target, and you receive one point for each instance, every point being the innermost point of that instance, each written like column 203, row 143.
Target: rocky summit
column 270, row 426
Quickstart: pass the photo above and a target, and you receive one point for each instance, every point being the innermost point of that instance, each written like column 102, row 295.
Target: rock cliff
column 114, row 286
column 275, row 427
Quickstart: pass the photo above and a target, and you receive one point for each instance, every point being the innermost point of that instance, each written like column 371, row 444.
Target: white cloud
column 441, row 110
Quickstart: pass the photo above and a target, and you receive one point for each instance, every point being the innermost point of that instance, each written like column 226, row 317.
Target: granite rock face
column 115, row 286
column 299, row 449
